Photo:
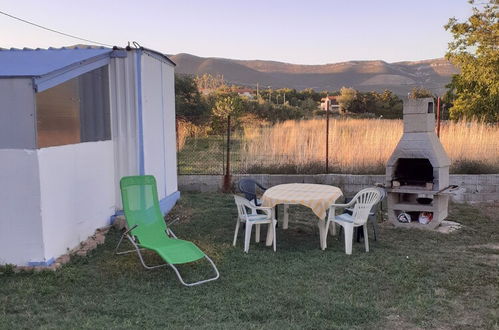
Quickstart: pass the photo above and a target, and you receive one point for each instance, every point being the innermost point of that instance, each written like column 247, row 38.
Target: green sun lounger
column 147, row 228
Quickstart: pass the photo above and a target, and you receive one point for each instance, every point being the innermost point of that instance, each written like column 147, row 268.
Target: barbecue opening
column 413, row 171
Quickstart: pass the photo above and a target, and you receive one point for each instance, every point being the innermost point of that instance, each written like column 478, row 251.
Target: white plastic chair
column 362, row 204
column 252, row 219
column 372, row 218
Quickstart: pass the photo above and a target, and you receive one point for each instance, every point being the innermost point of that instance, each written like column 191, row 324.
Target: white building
column 72, row 123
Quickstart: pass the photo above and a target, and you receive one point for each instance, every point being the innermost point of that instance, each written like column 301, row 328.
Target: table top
column 317, row 197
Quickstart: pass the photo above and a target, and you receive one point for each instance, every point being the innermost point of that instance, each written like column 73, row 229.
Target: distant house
column 73, row 121
column 330, row 103
column 246, row 92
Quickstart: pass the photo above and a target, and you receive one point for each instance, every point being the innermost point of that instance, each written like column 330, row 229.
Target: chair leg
column 236, row 232
column 257, row 233
column 332, row 228
column 274, row 223
column 247, row 236
column 366, row 239
column 374, row 222
column 348, row 230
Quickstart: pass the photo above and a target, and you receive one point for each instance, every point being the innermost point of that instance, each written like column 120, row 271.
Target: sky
column 301, row 31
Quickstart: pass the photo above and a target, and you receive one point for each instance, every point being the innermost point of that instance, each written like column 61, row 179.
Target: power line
column 52, row 30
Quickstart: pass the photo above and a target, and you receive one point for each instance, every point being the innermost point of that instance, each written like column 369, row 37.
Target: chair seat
column 258, row 217
column 345, row 217
column 175, row 251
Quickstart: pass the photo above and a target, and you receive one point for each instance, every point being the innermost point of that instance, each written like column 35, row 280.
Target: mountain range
column 399, row 77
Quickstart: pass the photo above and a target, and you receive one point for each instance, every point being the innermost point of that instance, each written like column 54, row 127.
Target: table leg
column 285, row 219
column 270, row 229
column 322, row 231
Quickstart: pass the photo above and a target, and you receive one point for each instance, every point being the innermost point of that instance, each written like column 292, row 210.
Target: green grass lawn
column 410, row 279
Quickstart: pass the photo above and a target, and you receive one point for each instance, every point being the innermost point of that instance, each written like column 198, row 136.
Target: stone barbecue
column 417, row 173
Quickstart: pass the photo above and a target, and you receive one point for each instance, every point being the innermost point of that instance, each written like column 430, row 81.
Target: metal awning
column 53, row 66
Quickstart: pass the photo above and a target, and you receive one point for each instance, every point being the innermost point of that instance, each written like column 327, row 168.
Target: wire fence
column 200, row 151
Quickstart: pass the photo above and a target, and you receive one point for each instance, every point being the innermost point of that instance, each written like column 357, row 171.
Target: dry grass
column 187, row 129
column 359, row 145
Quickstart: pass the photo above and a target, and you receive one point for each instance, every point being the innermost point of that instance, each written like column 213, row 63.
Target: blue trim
column 41, row 263
column 140, row 135
column 167, row 203
column 58, row 77
column 113, row 217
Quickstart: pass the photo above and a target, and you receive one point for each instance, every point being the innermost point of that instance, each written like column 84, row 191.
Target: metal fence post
column 227, row 179
column 176, row 134
column 327, row 139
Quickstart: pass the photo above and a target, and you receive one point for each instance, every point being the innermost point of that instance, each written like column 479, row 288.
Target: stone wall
column 474, row 188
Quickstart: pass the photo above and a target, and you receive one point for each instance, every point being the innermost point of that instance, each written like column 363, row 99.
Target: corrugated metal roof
column 38, row 62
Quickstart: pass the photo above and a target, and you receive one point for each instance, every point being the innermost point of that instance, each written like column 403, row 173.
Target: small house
column 330, row 103
column 73, row 121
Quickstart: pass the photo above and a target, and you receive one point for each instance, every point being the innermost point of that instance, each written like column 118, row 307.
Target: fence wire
column 202, row 152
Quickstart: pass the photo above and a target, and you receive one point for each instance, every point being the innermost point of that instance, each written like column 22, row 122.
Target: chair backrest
column 141, row 206
column 242, row 205
column 364, row 201
column 248, row 188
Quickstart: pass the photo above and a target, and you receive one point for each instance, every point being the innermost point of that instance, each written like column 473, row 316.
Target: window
column 74, row 111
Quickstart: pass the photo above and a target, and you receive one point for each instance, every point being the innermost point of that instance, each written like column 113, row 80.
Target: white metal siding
column 20, row 216
column 156, row 120
column 77, row 193
column 17, row 114
column 123, row 119
column 169, row 124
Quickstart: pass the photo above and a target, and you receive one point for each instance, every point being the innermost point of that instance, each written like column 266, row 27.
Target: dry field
column 359, row 146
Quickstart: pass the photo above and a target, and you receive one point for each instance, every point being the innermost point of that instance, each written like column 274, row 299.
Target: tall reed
column 355, row 145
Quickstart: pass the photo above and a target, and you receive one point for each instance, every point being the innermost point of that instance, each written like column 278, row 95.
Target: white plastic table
column 317, row 197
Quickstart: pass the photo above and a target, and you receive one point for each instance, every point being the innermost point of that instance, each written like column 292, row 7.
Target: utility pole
column 284, row 99
column 270, row 93
column 327, row 137
column 257, row 93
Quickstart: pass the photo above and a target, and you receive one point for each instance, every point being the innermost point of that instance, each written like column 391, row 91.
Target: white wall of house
column 123, row 103
column 158, row 117
column 21, row 239
column 170, row 134
column 77, row 193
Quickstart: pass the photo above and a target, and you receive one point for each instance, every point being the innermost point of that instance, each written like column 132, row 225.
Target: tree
column 226, row 104
column 475, row 51
column 420, row 93
column 347, row 98
column 188, row 103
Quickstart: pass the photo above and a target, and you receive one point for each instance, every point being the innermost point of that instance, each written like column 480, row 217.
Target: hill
column 399, row 77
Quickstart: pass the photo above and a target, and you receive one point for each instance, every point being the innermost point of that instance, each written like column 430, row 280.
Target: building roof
column 38, row 62
column 330, row 97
